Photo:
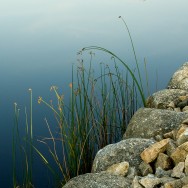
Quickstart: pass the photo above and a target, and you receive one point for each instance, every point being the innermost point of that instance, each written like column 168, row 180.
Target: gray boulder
column 98, row 180
column 179, row 79
column 150, row 122
column 163, row 98
column 126, row 150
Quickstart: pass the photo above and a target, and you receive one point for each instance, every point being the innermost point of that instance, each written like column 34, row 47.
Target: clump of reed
column 96, row 113
column 99, row 110
column 22, row 149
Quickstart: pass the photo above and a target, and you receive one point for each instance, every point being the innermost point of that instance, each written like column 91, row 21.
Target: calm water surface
column 39, row 41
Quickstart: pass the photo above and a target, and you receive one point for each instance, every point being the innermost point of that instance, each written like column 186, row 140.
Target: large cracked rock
column 126, row 150
column 98, row 180
column 150, row 122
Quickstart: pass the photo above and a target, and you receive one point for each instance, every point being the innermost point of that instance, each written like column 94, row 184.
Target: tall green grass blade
column 124, row 64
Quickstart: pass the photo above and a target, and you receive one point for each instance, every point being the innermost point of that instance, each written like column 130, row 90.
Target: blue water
column 39, row 41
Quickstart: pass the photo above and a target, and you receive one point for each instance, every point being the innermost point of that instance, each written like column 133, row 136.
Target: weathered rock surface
column 98, row 180
column 150, row 122
column 162, row 99
column 180, row 78
column 126, row 150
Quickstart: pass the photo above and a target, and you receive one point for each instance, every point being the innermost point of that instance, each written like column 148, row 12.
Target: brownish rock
column 186, row 166
column 183, row 137
column 174, row 184
column 180, row 153
column 182, row 129
column 151, row 153
column 171, row 147
column 145, row 168
column 171, row 134
column 120, row 169
column 182, row 98
column 178, row 170
column 163, row 161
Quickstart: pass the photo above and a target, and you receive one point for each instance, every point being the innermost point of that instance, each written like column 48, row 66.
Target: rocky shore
column 154, row 149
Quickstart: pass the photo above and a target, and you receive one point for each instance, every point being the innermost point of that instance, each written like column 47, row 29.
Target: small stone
column 183, row 137
column 166, row 179
column 149, row 181
column 151, row 153
column 171, row 146
column 181, row 130
column 171, row 134
column 177, row 171
column 177, row 109
column 185, row 109
column 185, row 180
column 170, row 108
column 162, row 173
column 174, row 184
column 186, row 166
column 182, row 104
column 135, row 182
column 120, row 169
column 145, row 168
column 131, row 173
column 182, row 98
column 171, row 105
column 163, row 161
column 185, row 122
column 158, row 138
column 180, row 153
column 185, row 186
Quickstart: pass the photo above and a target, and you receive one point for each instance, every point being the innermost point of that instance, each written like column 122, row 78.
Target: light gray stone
column 162, row 173
column 149, row 122
column 150, row 181
column 98, row 180
column 126, row 150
